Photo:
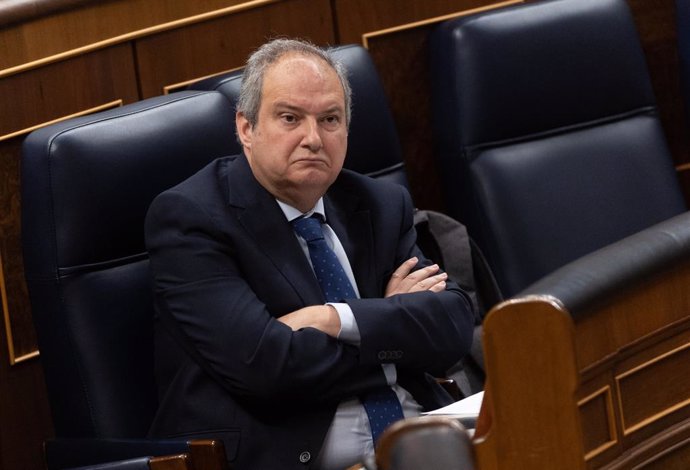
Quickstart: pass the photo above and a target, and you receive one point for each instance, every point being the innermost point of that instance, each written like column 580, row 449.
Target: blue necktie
column 382, row 405
column 334, row 283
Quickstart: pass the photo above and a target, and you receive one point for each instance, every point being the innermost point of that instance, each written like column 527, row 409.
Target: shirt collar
column 292, row 213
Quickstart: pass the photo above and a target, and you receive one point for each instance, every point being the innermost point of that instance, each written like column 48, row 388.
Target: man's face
column 298, row 145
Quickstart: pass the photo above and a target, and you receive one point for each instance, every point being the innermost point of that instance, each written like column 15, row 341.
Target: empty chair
column 86, row 186
column 547, row 133
column 373, row 144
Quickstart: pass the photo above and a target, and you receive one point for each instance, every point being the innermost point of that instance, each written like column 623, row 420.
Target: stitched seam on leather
column 131, row 113
column 102, row 265
column 385, row 171
column 471, row 150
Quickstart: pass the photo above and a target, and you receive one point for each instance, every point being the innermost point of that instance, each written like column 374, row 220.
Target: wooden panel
column 16, row 313
column 639, row 411
column 64, row 88
column 641, row 405
column 359, row 17
column 24, row 414
column 22, row 11
column 676, row 458
column 598, row 422
column 656, row 24
column 662, row 311
column 642, row 338
column 98, row 22
column 224, row 43
column 401, row 59
column 667, row 450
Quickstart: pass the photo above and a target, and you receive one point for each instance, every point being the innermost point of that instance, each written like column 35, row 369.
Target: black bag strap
column 446, row 241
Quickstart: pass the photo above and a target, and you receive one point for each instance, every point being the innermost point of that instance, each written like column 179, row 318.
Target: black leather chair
column 373, row 144
column 547, row 133
column 86, row 186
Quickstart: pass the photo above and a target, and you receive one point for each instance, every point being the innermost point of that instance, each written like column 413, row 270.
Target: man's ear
column 244, row 130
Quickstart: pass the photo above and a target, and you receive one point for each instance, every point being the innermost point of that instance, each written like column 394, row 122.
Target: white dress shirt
column 348, row 440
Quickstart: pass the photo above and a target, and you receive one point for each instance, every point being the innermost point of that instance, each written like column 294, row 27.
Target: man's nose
column 312, row 135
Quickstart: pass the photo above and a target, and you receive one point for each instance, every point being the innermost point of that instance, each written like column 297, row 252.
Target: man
column 249, row 349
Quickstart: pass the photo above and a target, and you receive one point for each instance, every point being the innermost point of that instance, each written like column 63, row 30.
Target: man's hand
column 404, row 280
column 321, row 317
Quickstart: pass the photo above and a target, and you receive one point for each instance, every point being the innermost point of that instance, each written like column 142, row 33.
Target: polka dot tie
column 382, row 405
column 330, row 273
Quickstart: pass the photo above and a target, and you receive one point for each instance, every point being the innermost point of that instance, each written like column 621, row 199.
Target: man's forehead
column 295, row 73
column 298, row 64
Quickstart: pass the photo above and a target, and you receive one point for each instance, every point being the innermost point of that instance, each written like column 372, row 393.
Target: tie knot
column 308, row 228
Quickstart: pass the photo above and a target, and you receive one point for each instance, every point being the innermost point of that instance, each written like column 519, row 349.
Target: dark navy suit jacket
column 226, row 263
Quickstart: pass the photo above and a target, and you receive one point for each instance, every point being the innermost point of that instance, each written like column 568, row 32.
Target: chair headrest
column 102, row 171
column 509, row 68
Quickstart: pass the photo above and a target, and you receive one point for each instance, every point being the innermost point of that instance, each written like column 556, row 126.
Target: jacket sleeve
column 423, row 330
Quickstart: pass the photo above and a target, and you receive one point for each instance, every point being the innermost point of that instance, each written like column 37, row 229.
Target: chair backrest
column 547, row 133
column 86, row 186
column 373, row 144
column 428, row 442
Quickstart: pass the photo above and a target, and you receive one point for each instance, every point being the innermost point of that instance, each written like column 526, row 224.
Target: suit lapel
column 353, row 227
column 265, row 223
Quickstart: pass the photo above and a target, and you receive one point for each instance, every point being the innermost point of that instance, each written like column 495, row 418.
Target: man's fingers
column 422, row 274
column 405, row 268
column 431, row 281
column 438, row 287
column 405, row 280
column 399, row 275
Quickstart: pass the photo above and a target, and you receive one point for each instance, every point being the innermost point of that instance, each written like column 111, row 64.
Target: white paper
column 465, row 408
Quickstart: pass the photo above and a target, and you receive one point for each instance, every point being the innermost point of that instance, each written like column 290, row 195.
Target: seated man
column 297, row 317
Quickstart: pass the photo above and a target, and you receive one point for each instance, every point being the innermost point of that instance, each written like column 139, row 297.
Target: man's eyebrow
column 282, row 105
column 334, row 109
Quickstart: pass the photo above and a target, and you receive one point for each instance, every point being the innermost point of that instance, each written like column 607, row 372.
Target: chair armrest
column 450, row 386
column 64, row 453
column 172, row 462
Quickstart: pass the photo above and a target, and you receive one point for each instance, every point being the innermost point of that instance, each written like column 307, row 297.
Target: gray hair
column 268, row 54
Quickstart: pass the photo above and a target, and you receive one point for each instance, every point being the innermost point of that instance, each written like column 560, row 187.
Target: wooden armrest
column 171, row 462
column 208, row 454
